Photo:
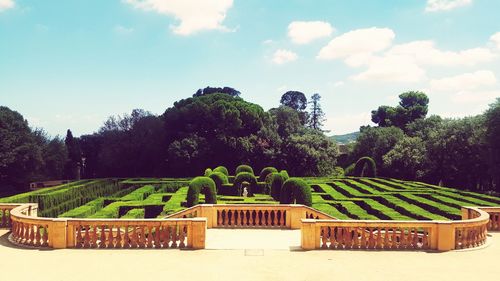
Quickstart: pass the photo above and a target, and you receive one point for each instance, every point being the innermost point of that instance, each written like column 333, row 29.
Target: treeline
column 213, row 127
column 462, row 153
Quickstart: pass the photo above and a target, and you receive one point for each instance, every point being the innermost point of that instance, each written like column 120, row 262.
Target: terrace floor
column 262, row 260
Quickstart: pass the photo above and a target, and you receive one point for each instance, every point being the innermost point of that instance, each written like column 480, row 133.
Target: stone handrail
column 30, row 230
column 252, row 215
column 5, row 209
column 390, row 235
column 494, row 224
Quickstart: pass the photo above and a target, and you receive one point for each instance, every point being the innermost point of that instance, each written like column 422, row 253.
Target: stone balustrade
column 397, row 235
column 252, row 215
column 494, row 223
column 5, row 214
column 30, row 230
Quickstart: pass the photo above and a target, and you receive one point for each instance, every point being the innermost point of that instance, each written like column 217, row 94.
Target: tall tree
column 316, row 116
column 412, row 106
column 214, row 90
column 492, row 123
column 74, row 156
column 298, row 101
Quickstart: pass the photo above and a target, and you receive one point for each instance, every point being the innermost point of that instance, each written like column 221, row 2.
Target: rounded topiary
column 269, row 182
column 266, row 171
column 219, row 179
column 201, row 184
column 285, row 174
column 349, row 170
column 277, row 180
column 365, row 167
column 208, row 171
column 296, row 190
column 245, row 177
column 244, row 168
column 222, row 169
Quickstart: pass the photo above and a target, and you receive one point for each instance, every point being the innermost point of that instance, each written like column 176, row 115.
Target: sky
column 71, row 64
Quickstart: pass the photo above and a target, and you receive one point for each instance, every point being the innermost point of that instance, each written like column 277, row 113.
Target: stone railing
column 397, row 235
column 494, row 224
column 5, row 214
column 252, row 215
column 30, row 230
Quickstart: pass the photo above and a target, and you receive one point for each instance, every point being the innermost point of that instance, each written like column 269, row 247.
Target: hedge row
column 201, row 184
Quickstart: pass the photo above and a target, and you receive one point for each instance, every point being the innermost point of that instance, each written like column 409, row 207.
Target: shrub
column 219, row 179
column 244, row 168
column 201, row 184
column 349, row 170
column 208, row 171
column 296, row 190
column 269, row 182
column 365, row 167
column 245, row 177
column 285, row 175
column 277, row 181
column 222, row 169
column 266, row 171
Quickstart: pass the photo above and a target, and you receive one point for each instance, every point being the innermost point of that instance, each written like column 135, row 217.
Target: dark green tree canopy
column 294, row 99
column 316, row 115
column 412, row 106
column 213, row 90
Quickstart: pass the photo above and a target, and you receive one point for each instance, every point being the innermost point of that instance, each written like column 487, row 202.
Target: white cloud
column 475, row 97
column 282, row 56
column 6, row 4
column 120, row 29
column 495, row 38
column 338, row 84
column 194, row 15
column 464, row 82
column 391, row 69
column 425, row 53
column 304, row 32
column 445, row 5
column 357, row 43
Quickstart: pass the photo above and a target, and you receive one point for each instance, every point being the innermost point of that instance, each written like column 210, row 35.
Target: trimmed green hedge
column 245, row 177
column 365, row 167
column 222, row 169
column 139, row 194
column 219, row 178
column 137, row 213
column 296, row 190
column 244, row 169
column 201, row 184
column 265, row 172
column 276, row 183
column 208, row 171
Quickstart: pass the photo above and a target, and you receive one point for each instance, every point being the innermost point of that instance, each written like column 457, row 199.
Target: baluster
column 79, row 239
column 126, row 238
column 150, row 237
column 157, row 234
column 259, row 214
column 86, row 238
column 182, row 236
column 219, row 218
column 236, row 215
column 386, row 238
column 174, row 236
column 133, row 237
column 371, row 238
column 142, row 237
column 102, row 242
column 37, row 235
column 272, row 215
column 118, row 243
column 93, row 236
column 4, row 215
column 241, row 218
column 323, row 237
column 254, row 218
column 415, row 238
column 266, row 218
column 32, row 234
column 168, row 234
column 395, row 241
column 45, row 236
column 284, row 218
column 362, row 242
column 110, row 237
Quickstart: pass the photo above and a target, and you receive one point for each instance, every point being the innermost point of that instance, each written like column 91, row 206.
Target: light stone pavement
column 266, row 258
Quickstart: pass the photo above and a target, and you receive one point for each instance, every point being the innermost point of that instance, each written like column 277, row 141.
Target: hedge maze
column 366, row 198
column 390, row 199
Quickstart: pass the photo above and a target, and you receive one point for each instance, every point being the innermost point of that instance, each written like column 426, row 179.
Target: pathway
column 271, row 239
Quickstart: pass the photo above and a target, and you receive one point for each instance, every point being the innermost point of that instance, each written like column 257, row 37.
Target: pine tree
column 317, row 116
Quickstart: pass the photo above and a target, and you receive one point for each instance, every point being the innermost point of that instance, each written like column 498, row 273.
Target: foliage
column 407, row 158
column 219, row 178
column 412, row 106
column 492, row 138
column 294, row 99
column 245, row 177
column 222, row 169
column 296, row 191
column 216, row 90
column 243, row 168
column 287, row 120
column 365, row 167
column 349, row 170
column 208, row 171
column 277, row 180
column 201, row 184
column 265, row 172
column 317, row 116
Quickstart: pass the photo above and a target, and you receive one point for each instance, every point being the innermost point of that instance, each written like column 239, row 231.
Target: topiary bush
column 222, row 169
column 244, row 168
column 266, row 171
column 349, row 170
column 219, row 179
column 365, row 167
column 208, row 171
column 284, row 173
column 245, row 177
column 277, row 180
column 296, row 190
column 201, row 184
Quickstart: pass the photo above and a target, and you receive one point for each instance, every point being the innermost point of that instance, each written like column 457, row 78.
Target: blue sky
column 70, row 64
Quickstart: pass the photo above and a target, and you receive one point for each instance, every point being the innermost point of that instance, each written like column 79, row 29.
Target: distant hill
column 344, row 139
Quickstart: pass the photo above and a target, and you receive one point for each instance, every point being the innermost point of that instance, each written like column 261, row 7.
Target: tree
column 20, row 154
column 492, row 137
column 317, row 116
column 74, row 156
column 214, row 90
column 298, row 101
column 287, row 120
column 412, row 106
column 407, row 159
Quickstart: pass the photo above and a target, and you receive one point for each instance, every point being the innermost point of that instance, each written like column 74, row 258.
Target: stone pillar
column 446, row 236
column 309, row 237
column 198, row 229
column 294, row 217
column 57, row 234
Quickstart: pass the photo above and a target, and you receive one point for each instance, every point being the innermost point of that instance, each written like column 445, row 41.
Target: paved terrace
column 269, row 255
